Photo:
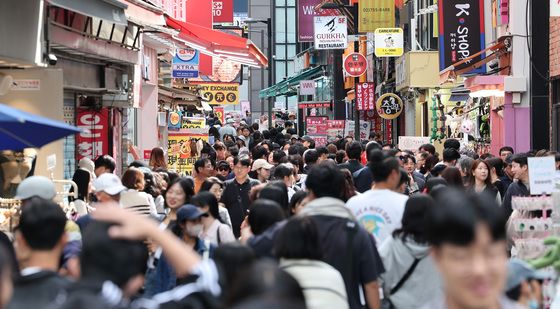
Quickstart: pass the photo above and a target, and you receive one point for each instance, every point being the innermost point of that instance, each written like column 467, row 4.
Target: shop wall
column 147, row 128
column 554, row 46
column 46, row 102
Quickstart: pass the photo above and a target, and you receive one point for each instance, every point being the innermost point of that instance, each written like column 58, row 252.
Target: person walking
column 481, row 181
column 213, row 229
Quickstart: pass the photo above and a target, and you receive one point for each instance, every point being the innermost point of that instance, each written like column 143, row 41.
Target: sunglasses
column 223, row 169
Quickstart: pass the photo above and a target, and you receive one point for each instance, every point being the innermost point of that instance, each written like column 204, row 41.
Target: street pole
column 356, row 79
column 270, row 69
column 262, row 73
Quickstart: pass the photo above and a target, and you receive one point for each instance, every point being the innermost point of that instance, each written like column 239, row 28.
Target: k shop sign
column 93, row 141
column 307, row 87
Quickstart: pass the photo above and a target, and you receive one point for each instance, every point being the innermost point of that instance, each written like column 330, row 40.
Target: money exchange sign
column 220, row 93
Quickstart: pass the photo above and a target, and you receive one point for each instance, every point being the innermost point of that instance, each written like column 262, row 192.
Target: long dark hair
column 414, row 217
column 187, row 185
column 204, row 199
column 472, row 179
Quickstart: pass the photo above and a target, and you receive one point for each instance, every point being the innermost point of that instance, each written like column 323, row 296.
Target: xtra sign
column 185, row 63
column 461, row 32
column 331, row 32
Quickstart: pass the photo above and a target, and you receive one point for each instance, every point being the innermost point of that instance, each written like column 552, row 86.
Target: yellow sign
column 182, row 149
column 373, row 14
column 220, row 93
column 389, row 42
column 389, row 106
column 193, row 123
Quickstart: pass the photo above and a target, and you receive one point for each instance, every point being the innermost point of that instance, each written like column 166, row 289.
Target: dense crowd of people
column 269, row 219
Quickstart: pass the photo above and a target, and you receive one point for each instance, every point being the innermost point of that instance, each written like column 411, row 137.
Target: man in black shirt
column 236, row 193
column 354, row 153
column 347, row 246
column 520, row 187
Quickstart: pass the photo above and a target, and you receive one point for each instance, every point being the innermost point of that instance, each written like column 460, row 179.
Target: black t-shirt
column 236, row 200
column 365, row 260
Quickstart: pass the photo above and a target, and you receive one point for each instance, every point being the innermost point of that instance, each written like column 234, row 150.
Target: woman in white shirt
column 133, row 198
column 213, row 229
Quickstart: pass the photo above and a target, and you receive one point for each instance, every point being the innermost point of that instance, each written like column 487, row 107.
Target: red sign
column 325, row 104
column 316, row 125
column 355, row 64
column 222, row 10
column 199, row 12
column 219, row 112
column 365, row 97
column 147, row 154
column 94, row 139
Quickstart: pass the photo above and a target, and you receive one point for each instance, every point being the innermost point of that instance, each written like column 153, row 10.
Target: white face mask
column 194, row 230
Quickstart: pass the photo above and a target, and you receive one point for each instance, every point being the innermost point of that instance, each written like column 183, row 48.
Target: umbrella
column 20, row 130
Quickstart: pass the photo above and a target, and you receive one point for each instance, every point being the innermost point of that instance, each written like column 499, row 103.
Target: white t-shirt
column 378, row 211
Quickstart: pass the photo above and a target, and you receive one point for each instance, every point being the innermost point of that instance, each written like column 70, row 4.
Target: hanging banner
column 220, row 94
column 314, row 104
column 373, row 14
column 93, row 141
column 307, row 87
column 330, row 32
column 182, row 149
column 222, row 10
column 365, row 127
column 461, row 33
column 365, row 97
column 219, row 113
column 389, row 106
column 185, row 63
column 389, row 42
column 306, row 12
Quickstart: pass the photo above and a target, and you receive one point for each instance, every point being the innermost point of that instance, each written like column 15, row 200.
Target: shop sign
column 335, row 128
column 461, row 33
column 245, row 107
column 182, row 150
column 542, row 172
column 365, row 96
column 331, row 32
column 185, row 63
column 26, row 85
column 389, row 42
column 219, row 113
column 147, row 154
column 93, row 141
column 389, row 106
column 373, row 14
column 306, row 12
column 316, row 125
column 220, row 93
column 365, row 127
column 355, row 64
column 222, row 10
column 307, row 87
column 320, row 140
column 279, row 105
column 313, row 104
column 412, row 142
column 175, row 120
column 193, row 123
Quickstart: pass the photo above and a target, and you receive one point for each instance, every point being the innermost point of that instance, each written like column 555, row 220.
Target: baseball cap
column 519, row 271
column 230, row 120
column 306, row 138
column 261, row 163
column 108, row 183
column 189, row 212
column 39, row 186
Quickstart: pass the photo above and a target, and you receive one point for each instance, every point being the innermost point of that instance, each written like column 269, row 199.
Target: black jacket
column 363, row 179
column 517, row 188
column 37, row 290
column 236, row 200
column 351, row 165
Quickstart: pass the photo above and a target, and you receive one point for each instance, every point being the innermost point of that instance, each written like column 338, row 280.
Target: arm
column 133, row 151
column 130, row 225
column 371, row 293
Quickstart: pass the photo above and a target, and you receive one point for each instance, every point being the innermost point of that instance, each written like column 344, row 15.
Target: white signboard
column 330, row 32
column 554, row 8
column 412, row 142
column 279, row 105
column 26, row 85
column 389, row 42
column 307, row 87
column 365, row 127
column 542, row 172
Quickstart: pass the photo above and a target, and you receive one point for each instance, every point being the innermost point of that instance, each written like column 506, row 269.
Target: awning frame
column 282, row 88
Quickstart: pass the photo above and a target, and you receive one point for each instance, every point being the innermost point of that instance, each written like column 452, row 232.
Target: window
column 285, row 38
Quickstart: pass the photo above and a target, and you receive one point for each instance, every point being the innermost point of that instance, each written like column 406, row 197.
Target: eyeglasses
column 223, row 169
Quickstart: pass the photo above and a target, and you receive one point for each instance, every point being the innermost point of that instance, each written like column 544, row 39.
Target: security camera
column 51, row 58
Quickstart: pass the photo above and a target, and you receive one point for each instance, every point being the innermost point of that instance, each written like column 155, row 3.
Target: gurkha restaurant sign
column 461, row 32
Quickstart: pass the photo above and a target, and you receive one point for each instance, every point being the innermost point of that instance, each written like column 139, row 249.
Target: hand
column 151, row 246
column 130, row 225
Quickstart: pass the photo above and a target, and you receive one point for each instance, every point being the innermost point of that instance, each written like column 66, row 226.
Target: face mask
column 194, row 231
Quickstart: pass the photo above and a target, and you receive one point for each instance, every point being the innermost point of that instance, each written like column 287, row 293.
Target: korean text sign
column 93, row 141
column 365, row 97
column 461, row 32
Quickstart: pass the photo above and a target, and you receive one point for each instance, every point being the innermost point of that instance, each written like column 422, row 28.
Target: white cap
column 261, row 163
column 87, row 164
column 108, row 183
column 38, row 186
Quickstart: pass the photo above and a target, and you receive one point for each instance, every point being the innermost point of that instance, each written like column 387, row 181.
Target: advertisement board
column 222, row 11
column 93, row 141
column 365, row 97
column 330, row 32
column 220, row 93
column 306, row 12
column 461, row 33
column 193, row 123
column 373, row 14
column 316, row 125
column 182, row 151
column 389, row 42
column 365, row 127
column 335, row 128
column 185, row 63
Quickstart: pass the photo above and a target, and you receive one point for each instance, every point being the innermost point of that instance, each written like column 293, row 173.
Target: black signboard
column 461, row 32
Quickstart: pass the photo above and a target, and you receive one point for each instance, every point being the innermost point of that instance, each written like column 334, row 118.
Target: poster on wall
column 182, row 149
column 93, row 141
column 306, row 12
column 373, row 14
column 460, row 33
column 330, row 32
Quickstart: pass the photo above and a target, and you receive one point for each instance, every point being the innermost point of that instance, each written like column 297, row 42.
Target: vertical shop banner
column 222, row 11
column 335, row 128
column 93, row 141
column 306, row 12
column 183, row 149
column 219, row 112
column 330, row 32
column 365, row 97
column 373, row 14
column 185, row 63
column 461, row 33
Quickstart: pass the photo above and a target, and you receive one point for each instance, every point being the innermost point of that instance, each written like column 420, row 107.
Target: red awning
column 218, row 44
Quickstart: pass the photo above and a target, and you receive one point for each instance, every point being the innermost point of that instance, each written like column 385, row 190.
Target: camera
column 51, row 58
